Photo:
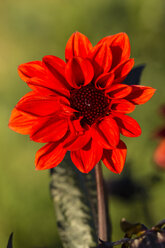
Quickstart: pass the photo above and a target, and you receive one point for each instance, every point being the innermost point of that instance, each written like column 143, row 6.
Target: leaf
column 134, row 76
column 143, row 237
column 160, row 225
column 10, row 242
column 75, row 200
column 150, row 240
column 131, row 229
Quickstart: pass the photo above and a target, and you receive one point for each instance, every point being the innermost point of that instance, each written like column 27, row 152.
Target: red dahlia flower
column 159, row 154
column 80, row 105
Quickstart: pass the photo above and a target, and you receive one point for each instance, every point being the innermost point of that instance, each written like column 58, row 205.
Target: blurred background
column 32, row 29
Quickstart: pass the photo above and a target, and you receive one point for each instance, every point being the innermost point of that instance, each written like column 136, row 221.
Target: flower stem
column 103, row 220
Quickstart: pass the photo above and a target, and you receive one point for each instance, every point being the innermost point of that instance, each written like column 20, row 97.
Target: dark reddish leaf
column 10, row 242
column 134, row 76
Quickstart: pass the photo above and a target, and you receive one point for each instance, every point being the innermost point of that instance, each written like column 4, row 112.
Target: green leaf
column 160, row 225
column 131, row 229
column 75, row 200
column 153, row 238
column 143, row 237
column 150, row 240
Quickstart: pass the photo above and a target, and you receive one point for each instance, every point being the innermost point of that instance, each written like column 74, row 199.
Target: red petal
column 104, row 81
column 122, row 106
column 114, row 159
column 118, row 91
column 140, row 94
column 107, row 133
column 122, row 70
column 79, row 72
column 77, row 45
column 22, row 122
column 49, row 156
column 159, row 155
column 39, row 78
column 30, row 70
column 109, row 39
column 37, row 105
column 50, row 130
column 48, row 87
column 127, row 125
column 77, row 137
column 78, row 142
column 101, row 59
column 40, row 86
column 87, row 157
column 55, row 63
column 120, row 47
column 57, row 67
column 66, row 110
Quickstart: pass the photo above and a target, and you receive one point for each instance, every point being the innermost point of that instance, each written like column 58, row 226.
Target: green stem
column 102, row 208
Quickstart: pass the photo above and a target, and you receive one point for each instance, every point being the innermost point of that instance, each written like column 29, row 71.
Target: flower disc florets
column 81, row 105
column 90, row 102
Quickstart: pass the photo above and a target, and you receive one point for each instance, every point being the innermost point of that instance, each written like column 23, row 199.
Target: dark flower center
column 90, row 102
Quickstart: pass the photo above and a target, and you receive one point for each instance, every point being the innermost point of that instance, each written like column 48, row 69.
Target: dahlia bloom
column 81, row 105
column 159, row 154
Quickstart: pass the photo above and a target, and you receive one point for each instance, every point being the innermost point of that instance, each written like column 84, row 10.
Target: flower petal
column 87, row 157
column 77, row 136
column 101, row 59
column 122, row 106
column 122, row 70
column 38, row 106
column 140, row 94
column 48, row 87
column 41, row 87
column 120, row 47
column 127, row 125
column 107, row 133
column 78, row 142
column 77, row 45
column 104, row 81
column 79, row 72
column 114, row 159
column 118, row 91
column 22, row 122
column 49, row 156
column 50, row 130
column 40, row 78
column 159, row 154
column 31, row 69
column 57, row 67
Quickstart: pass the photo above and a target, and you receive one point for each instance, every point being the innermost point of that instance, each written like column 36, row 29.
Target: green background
column 31, row 29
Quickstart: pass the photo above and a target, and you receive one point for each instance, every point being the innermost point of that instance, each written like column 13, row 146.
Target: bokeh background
column 31, row 29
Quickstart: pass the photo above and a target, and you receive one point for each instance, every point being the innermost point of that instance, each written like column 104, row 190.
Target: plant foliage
column 75, row 200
